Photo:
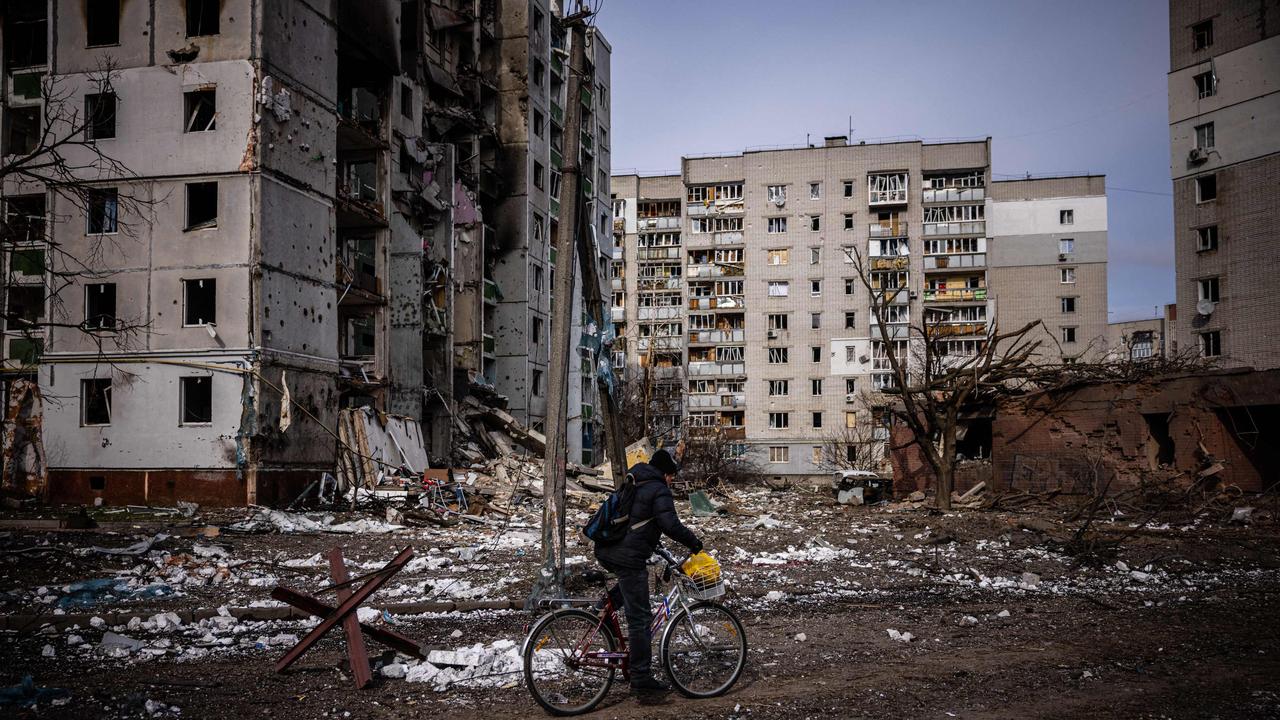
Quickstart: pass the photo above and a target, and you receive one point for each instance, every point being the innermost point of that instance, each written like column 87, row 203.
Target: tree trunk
column 942, row 489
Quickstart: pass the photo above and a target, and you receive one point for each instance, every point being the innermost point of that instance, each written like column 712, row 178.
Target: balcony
column 716, row 369
column 941, row 195
column 724, row 400
column 891, row 229
column 644, row 344
column 887, row 188
column 895, row 331
column 959, row 295
column 490, row 292
column 619, row 225
column 968, row 227
column 955, row 262
column 659, row 283
column 615, row 284
column 716, row 337
column 617, row 314
column 557, row 113
column 617, row 254
column 489, row 345
column 718, row 302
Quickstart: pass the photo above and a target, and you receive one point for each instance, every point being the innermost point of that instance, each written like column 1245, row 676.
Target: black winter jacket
column 654, row 503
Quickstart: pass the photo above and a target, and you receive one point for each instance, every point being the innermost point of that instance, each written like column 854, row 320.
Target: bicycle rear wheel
column 561, row 665
column 704, row 650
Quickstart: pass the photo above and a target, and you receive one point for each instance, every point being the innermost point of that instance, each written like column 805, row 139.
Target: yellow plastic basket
column 703, row 577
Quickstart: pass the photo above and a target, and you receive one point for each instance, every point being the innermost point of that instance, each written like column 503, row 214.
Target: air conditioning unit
column 913, row 295
column 1062, row 257
column 1197, row 156
column 850, row 397
column 772, row 334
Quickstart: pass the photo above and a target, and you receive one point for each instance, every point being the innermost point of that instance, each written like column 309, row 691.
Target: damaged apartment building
column 321, row 206
column 736, row 299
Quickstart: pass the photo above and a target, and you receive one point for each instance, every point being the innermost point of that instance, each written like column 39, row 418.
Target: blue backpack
column 611, row 521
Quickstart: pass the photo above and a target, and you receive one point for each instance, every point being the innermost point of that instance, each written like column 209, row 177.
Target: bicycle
column 572, row 655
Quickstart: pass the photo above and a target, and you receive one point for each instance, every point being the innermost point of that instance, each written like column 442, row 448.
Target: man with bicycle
column 653, row 514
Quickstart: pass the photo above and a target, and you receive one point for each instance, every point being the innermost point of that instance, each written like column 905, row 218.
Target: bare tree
column 854, row 447
column 930, row 377
column 711, row 456
column 651, row 406
column 54, row 170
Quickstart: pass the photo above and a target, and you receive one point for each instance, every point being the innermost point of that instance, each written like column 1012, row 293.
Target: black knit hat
column 663, row 461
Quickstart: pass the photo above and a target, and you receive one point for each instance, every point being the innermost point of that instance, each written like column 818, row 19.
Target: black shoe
column 648, row 684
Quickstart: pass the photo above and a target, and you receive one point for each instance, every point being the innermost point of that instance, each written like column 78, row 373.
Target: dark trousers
column 633, row 586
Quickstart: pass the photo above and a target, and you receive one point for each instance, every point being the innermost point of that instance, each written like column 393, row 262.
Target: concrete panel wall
column 1236, row 23
column 1249, row 72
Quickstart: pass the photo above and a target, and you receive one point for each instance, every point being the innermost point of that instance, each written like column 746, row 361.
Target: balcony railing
column 703, row 369
column 708, row 239
column 723, row 400
column 953, row 195
column 715, row 337
column 887, row 229
column 968, row 227
column 719, row 302
column 658, row 253
column 712, row 271
column 659, row 283
column 617, row 254
column 657, row 223
column 619, row 225
column 617, row 314
column 615, row 283
column 895, row 331
column 659, row 343
column 668, row 312
column 887, row 197
column 959, row 295
column 951, row 262
column 490, row 292
column 952, row 329
column 890, row 263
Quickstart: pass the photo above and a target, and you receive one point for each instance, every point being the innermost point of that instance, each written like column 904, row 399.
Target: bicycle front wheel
column 704, row 650
column 563, row 664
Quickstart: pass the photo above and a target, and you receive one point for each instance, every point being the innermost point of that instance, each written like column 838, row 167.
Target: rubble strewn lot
column 885, row 611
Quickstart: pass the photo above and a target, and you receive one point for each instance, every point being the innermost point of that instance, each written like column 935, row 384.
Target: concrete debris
column 494, row 665
column 801, row 637
column 1242, row 515
column 900, row 636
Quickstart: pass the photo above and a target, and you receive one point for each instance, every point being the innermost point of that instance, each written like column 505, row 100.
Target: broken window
column 25, row 305
column 778, row 321
column 815, row 320
column 539, row 120
column 850, row 319
column 815, row 288
column 815, row 222
column 1206, row 188
column 539, row 181
column 777, row 194
column 779, row 420
column 1204, row 136
column 849, row 285
column 817, row 420
column 1158, row 426
column 1066, row 275
column 778, row 356
column 887, row 188
column 536, row 383
column 201, row 110
column 1202, row 35
column 102, row 22
column 26, row 33
column 103, row 208
column 199, row 302
column 779, row 453
column 779, row 388
column 1068, row 304
column 100, row 306
column 815, row 255
column 1206, row 84
column 1068, row 335
column 815, row 191
column 361, row 336
column 850, row 385
column 535, row 329
column 1207, row 238
column 202, row 205
column 537, row 279
column 100, row 116
column 539, row 70
column 848, row 188
column 779, row 257
column 779, row 289
column 1141, row 345
column 777, row 225
column 1066, row 217
column 1209, row 289
column 1211, row 343
column 196, row 400
column 95, row 401
column 202, row 17
column 815, row 386
column 22, row 130
column 815, row 353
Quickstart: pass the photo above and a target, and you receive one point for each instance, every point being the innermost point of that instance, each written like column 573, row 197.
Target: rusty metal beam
column 357, row 654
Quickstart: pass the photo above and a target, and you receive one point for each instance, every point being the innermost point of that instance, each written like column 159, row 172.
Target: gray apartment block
column 779, row 347
column 1224, row 138
column 360, row 217
column 1049, row 261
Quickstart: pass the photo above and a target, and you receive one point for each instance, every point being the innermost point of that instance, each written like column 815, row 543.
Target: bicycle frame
column 620, row 659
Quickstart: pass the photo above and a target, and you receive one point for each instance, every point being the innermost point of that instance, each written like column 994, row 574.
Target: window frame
column 86, row 384
column 182, row 401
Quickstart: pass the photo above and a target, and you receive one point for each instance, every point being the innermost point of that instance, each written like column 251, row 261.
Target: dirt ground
column 1180, row 622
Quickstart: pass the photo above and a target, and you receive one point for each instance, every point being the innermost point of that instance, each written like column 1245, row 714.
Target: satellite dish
column 1205, row 307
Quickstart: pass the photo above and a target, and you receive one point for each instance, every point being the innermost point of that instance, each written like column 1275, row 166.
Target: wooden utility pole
column 550, row 580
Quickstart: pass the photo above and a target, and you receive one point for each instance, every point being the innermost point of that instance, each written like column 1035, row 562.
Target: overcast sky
column 1059, row 87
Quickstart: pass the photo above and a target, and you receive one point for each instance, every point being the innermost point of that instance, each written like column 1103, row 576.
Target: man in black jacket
column 653, row 515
